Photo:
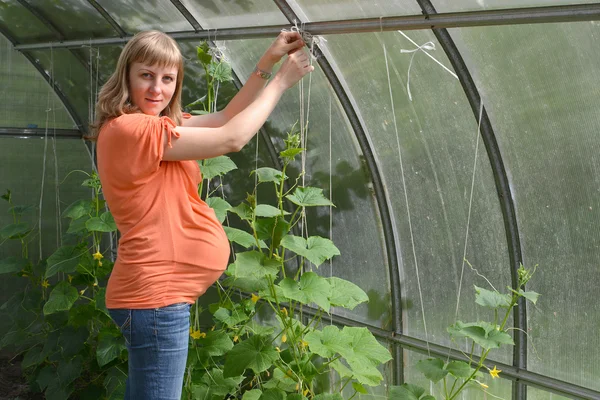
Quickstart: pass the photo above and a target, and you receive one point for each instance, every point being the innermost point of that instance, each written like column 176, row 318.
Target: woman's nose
column 155, row 87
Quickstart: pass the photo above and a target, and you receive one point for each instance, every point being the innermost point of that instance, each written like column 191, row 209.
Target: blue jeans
column 157, row 340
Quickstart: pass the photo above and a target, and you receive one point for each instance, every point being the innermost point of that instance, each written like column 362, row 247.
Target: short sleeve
column 136, row 143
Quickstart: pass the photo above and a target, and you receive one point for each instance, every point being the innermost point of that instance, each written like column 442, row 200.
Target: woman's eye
column 168, row 78
column 146, row 75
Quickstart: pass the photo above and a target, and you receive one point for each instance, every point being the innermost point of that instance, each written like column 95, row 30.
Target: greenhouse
column 415, row 220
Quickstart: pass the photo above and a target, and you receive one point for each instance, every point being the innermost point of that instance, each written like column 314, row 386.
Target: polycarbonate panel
column 217, row 14
column 356, row 226
column 25, row 95
column 323, row 10
column 76, row 19
column 537, row 394
column 70, row 77
column 140, row 15
column 23, row 25
column 496, row 388
column 478, row 5
column 437, row 134
column 540, row 86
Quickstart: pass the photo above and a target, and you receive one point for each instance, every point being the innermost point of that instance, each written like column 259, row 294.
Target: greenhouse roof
column 461, row 129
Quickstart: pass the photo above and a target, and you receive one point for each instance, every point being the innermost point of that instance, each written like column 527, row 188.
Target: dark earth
column 12, row 385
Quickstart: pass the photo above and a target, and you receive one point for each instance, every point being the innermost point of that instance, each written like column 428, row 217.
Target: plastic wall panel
column 537, row 394
column 76, row 19
column 25, row 95
column 23, row 25
column 497, row 388
column 363, row 256
column 140, row 15
column 540, row 86
column 437, row 133
column 216, row 14
column 319, row 10
column 478, row 5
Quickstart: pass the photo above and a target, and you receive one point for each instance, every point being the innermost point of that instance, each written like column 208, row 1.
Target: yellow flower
column 297, row 386
column 98, row 256
column 284, row 338
column 303, row 343
column 70, row 278
column 305, row 392
column 45, row 283
column 278, row 349
column 284, row 311
column 197, row 334
column 81, row 292
column 213, row 328
column 99, row 263
column 255, row 298
column 483, row 385
column 235, row 339
column 495, row 373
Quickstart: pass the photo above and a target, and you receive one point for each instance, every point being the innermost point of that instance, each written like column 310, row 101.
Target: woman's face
column 151, row 87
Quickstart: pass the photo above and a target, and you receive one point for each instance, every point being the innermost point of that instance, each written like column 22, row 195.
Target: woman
column 172, row 246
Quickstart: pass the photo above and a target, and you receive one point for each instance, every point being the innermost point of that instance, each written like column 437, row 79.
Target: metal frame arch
column 108, row 18
column 383, row 201
column 503, row 189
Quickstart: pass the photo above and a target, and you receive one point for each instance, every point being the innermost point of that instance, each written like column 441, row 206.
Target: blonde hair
column 150, row 48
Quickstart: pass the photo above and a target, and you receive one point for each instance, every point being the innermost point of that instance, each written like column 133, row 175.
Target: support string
column 412, row 239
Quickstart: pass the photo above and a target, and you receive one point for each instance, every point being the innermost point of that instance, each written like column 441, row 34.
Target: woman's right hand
column 293, row 69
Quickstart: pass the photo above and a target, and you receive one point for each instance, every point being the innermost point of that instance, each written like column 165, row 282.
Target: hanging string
column 462, row 271
column 412, row 239
column 330, row 198
column 423, row 48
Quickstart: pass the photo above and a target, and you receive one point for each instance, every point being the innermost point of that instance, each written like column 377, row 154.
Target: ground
column 12, row 385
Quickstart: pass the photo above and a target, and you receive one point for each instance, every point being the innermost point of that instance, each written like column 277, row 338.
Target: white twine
column 429, row 46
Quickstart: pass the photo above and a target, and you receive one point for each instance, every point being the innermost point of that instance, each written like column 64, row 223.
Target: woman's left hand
column 286, row 43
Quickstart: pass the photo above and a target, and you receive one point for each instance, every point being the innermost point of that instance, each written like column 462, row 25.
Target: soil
column 13, row 385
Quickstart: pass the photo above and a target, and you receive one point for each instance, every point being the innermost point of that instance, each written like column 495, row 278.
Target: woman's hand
column 286, row 43
column 293, row 69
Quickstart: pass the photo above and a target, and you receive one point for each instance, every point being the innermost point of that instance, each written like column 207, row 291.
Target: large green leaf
column 242, row 238
column 266, row 210
column 14, row 231
column 243, row 210
column 72, row 340
column 310, row 289
column 12, row 264
column 32, row 357
column 253, row 264
column 531, row 296
column 491, row 299
column 78, row 225
column 273, row 394
column 328, row 342
column 459, row 369
column 46, row 376
column 407, row 392
column 256, row 353
column 328, row 396
column 100, row 301
column 266, row 174
column 202, row 52
column 69, row 370
column 114, row 382
column 253, row 394
column 271, row 229
column 62, row 298
column 216, row 166
column 20, row 210
column 106, row 223
column 220, row 206
column 65, row 259
column 216, row 343
column 433, row 369
column 316, row 249
column 345, row 293
column 280, row 380
column 484, row 334
column 109, row 347
column 231, row 317
column 364, row 348
column 218, row 384
column 221, row 71
column 78, row 209
column 308, row 197
column 295, row 396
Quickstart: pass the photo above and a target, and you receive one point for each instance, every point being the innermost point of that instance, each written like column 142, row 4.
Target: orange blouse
column 172, row 246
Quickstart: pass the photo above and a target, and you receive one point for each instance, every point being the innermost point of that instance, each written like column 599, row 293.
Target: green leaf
column 484, row 334
column 6, row 196
column 433, row 369
column 220, row 206
column 69, row 370
column 328, row 342
column 62, row 298
column 202, row 53
column 105, row 223
column 195, row 103
column 14, row 231
column 109, row 347
column 328, row 396
column 219, row 385
column 256, row 353
column 531, row 296
column 294, row 396
column 46, row 376
column 114, row 382
column 216, row 343
column 364, row 348
column 57, row 391
column 265, row 210
column 253, row 394
column 231, row 318
column 311, row 289
column 242, row 238
column 78, row 209
column 20, row 210
column 253, row 264
column 266, row 174
column 100, row 301
column 78, row 225
column 359, row 388
column 65, row 259
column 273, row 394
column 491, row 299
column 221, row 71
column 271, row 229
column 217, row 166
column 12, row 264
column 308, row 197
column 72, row 340
column 280, row 380
column 290, row 154
column 32, row 357
column 243, row 211
column 316, row 249
column 459, row 369
column 406, row 392
column 345, row 293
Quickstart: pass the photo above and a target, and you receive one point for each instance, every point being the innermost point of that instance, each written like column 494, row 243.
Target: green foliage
column 455, row 376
